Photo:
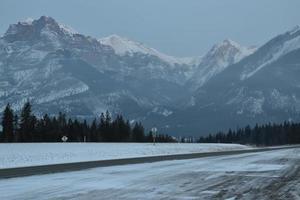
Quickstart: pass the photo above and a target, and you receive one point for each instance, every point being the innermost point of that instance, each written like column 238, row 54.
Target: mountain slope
column 261, row 88
column 218, row 59
column 123, row 46
column 58, row 69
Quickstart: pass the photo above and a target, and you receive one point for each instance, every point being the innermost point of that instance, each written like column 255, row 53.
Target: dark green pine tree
column 61, row 125
column 120, row 130
column 85, row 131
column 46, row 128
column 101, row 132
column 127, row 131
column 8, row 124
column 106, row 127
column 93, row 132
column 26, row 123
column 16, row 129
column 138, row 134
column 70, row 131
column 78, row 132
column 150, row 137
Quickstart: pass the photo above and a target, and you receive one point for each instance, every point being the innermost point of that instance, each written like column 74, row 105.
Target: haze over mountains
column 58, row 69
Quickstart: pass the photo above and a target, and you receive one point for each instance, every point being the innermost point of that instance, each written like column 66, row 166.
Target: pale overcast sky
column 175, row 27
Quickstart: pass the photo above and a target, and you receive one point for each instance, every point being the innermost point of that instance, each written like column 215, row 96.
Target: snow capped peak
column 229, row 42
column 222, row 47
column 228, row 52
column 55, row 26
column 124, row 46
column 44, row 25
column 67, row 29
column 29, row 26
column 219, row 57
column 115, row 37
column 27, row 21
column 44, row 21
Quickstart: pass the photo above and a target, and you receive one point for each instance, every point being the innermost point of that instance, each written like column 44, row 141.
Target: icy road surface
column 264, row 175
column 32, row 154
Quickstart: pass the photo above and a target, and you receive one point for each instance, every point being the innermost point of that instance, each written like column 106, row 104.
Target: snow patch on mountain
column 192, row 101
column 27, row 21
column 23, row 75
column 67, row 29
column 162, row 111
column 257, row 105
column 51, row 36
column 294, row 30
column 238, row 98
column 279, row 100
column 9, row 50
column 192, row 61
column 35, row 55
column 123, row 46
column 58, row 94
column 51, row 67
column 254, row 105
column 285, row 48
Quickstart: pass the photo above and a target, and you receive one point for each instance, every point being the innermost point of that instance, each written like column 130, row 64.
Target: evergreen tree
column 94, row 132
column 26, row 123
column 106, row 127
column 102, row 133
column 61, row 125
column 8, row 124
column 85, row 131
column 70, row 131
column 78, row 133
column 138, row 134
column 16, row 129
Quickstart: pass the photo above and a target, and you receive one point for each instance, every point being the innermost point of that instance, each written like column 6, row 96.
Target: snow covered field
column 31, row 154
column 263, row 175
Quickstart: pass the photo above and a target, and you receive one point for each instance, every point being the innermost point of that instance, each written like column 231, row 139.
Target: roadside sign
column 64, row 138
column 154, row 131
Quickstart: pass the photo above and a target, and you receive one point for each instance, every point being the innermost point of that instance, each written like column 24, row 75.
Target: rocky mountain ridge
column 59, row 69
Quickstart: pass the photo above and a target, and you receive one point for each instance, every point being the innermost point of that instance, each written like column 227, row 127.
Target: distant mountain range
column 58, row 69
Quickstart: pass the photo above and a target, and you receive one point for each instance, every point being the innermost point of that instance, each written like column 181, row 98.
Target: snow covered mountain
column 58, row 69
column 273, row 50
column 217, row 59
column 262, row 87
column 158, row 65
column 123, row 46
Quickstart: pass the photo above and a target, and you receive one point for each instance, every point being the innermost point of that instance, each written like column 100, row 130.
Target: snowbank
column 31, row 154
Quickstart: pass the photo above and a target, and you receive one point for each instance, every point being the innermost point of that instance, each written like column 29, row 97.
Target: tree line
column 259, row 135
column 26, row 127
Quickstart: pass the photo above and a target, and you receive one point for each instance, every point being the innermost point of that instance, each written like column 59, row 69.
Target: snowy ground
column 31, row 154
column 264, row 175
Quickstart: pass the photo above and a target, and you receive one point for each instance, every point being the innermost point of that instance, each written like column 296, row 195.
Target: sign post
column 154, row 132
column 64, row 138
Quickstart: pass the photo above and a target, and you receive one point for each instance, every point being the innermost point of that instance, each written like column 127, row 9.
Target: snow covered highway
column 261, row 175
column 160, row 152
